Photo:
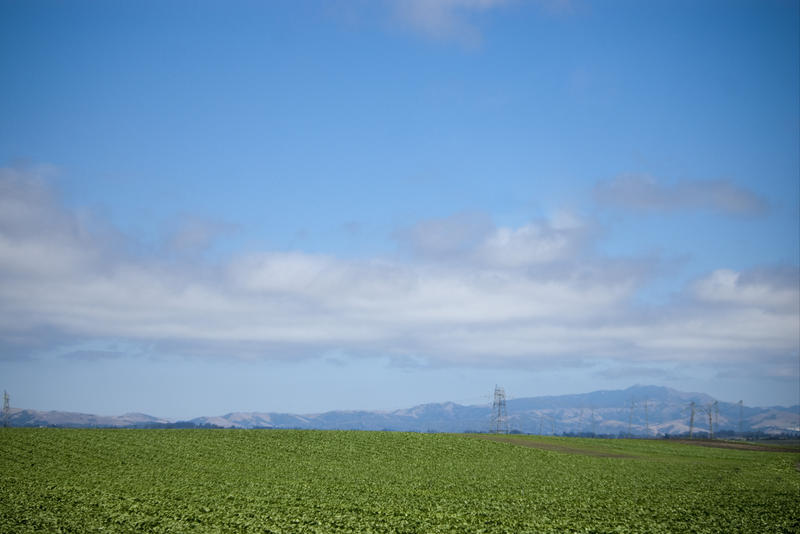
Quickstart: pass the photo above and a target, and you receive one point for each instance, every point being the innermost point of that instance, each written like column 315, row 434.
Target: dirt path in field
column 742, row 446
column 525, row 442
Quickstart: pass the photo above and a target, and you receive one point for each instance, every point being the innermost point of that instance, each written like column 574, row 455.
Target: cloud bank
column 466, row 292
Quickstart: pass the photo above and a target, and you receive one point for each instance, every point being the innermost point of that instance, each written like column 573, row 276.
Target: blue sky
column 304, row 206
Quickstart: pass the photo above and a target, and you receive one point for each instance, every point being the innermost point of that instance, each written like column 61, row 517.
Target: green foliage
column 59, row 480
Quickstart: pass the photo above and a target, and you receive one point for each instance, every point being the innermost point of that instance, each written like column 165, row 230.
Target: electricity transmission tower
column 499, row 415
column 709, row 410
column 630, row 418
column 715, row 407
column 6, row 408
column 646, row 420
column 691, row 420
column 740, row 417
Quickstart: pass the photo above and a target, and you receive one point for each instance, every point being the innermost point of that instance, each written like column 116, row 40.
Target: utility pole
column 593, row 424
column 6, row 408
column 499, row 415
column 646, row 420
column 691, row 420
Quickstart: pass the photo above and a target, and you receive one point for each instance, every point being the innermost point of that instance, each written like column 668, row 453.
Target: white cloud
column 447, row 237
column 473, row 238
column 458, row 21
column 475, row 293
column 761, row 291
column 644, row 193
column 444, row 19
column 191, row 235
column 531, row 244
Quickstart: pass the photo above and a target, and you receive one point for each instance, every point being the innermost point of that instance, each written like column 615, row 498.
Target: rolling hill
column 638, row 410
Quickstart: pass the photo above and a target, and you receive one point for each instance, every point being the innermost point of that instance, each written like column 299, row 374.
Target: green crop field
column 59, row 480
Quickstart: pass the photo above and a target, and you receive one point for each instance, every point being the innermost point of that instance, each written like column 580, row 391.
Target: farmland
column 60, row 480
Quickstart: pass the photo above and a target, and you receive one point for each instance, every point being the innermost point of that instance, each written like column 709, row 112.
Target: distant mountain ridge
column 80, row 420
column 638, row 410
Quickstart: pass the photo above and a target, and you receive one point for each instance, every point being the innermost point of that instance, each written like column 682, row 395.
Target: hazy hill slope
column 639, row 410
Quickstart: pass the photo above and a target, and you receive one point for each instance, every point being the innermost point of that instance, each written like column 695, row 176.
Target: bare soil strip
column 736, row 445
column 739, row 445
column 525, row 442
